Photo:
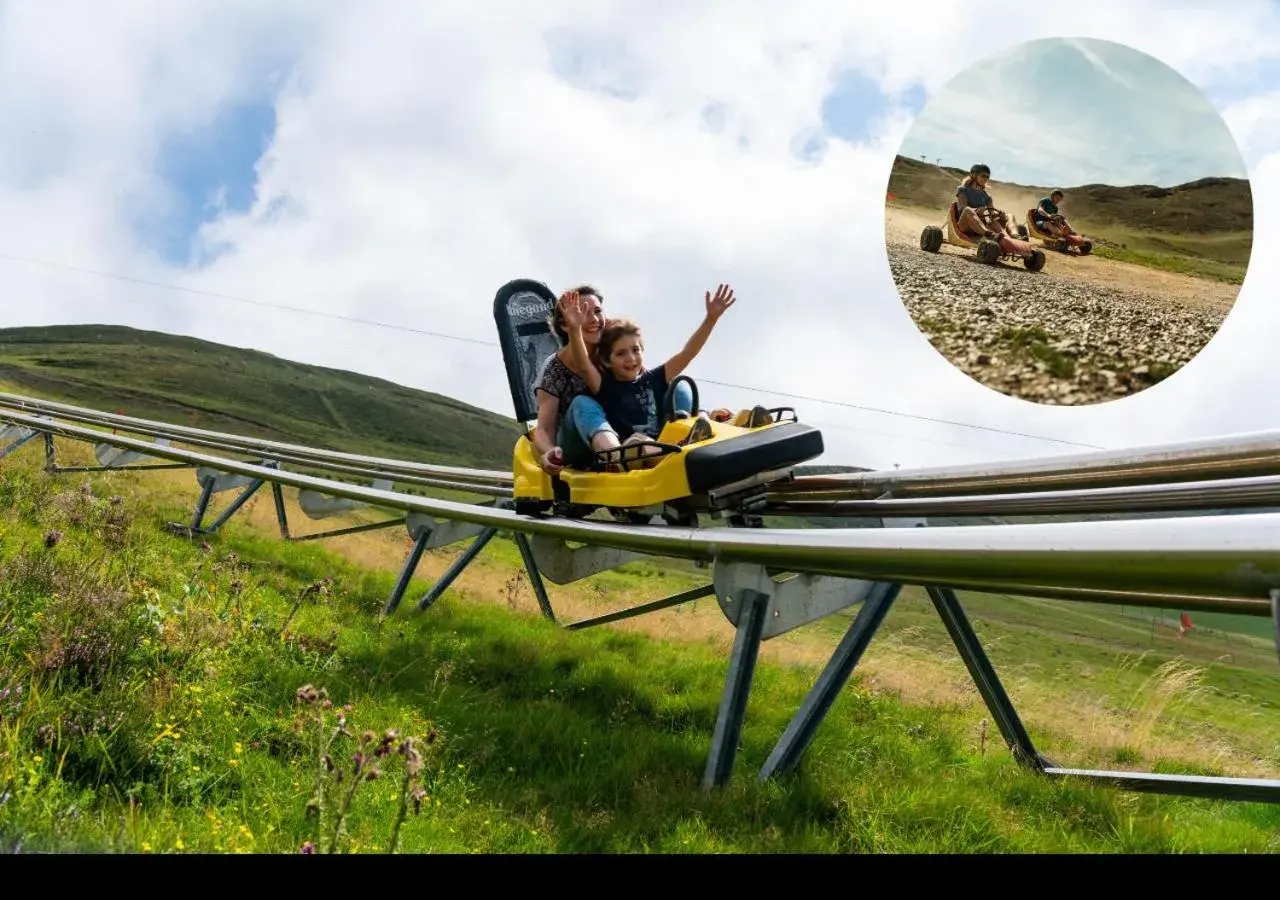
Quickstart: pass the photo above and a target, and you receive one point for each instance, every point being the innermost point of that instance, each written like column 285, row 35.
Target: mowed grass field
column 164, row 695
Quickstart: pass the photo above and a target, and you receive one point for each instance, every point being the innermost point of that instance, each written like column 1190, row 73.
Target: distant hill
column 187, row 381
column 206, row 385
column 1206, row 207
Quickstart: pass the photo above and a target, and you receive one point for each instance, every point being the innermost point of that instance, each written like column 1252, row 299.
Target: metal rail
column 372, row 466
column 1233, row 558
column 1239, row 456
column 787, row 500
column 1225, row 456
column 1263, row 490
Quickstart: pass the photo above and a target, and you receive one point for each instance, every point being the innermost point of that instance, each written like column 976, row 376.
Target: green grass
column 1035, row 343
column 1228, row 273
column 158, row 712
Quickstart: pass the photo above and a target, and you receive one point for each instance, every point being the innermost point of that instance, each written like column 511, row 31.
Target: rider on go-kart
column 1048, row 219
column 976, row 213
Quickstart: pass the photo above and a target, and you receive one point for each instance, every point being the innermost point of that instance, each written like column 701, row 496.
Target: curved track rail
column 1215, row 556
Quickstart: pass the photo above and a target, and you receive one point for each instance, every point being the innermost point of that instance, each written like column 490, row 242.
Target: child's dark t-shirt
column 633, row 406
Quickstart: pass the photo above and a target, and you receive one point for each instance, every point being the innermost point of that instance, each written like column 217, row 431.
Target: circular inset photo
column 1069, row 222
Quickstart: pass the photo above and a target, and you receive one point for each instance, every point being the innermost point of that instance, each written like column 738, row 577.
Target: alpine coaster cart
column 724, row 476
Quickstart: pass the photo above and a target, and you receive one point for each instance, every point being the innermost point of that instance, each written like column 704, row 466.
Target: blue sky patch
column 211, row 170
column 1260, row 77
column 853, row 105
column 809, row 145
column 599, row 64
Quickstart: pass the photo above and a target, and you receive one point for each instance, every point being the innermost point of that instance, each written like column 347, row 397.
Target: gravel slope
column 1042, row 337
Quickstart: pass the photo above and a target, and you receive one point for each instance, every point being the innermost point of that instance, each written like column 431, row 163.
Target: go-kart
column 725, row 474
column 1063, row 243
column 988, row 251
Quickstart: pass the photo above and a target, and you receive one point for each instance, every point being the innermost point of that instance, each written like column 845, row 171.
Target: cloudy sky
column 262, row 174
column 1073, row 111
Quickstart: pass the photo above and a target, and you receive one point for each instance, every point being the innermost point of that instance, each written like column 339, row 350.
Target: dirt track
column 904, row 224
column 1082, row 330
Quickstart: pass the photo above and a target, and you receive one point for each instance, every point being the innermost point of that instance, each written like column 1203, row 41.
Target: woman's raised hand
column 573, row 306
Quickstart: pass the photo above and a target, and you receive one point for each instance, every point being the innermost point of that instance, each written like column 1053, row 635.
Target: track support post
column 737, row 688
column 20, row 438
column 428, row 532
column 535, row 576
column 802, row 728
column 985, row 679
column 459, row 565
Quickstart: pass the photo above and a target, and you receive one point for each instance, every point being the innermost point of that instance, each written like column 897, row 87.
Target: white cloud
column 429, row 152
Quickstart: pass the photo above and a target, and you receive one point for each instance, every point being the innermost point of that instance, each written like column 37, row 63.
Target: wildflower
column 308, row 848
column 52, row 538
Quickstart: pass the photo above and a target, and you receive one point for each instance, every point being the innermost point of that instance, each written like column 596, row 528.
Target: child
column 631, row 395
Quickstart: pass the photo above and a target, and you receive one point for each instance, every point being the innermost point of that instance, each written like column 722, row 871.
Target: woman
column 572, row 426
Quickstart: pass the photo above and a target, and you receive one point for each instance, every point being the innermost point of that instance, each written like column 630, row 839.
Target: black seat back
column 522, row 309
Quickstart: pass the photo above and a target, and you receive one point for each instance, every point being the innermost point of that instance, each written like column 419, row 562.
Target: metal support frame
column 451, row 574
column 214, row 482
column 804, row 725
column 563, row 564
column 535, row 576
column 761, row 606
column 737, row 687
column 428, row 532
column 21, row 436
column 110, row 459
column 706, row 590
column 985, row 679
column 282, row 519
column 1275, row 618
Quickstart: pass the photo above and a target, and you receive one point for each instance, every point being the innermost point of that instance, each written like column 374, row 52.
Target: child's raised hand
column 717, row 305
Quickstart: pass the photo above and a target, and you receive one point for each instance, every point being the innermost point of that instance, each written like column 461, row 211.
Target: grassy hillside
column 206, row 385
column 162, row 696
column 1204, row 227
